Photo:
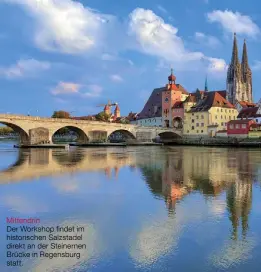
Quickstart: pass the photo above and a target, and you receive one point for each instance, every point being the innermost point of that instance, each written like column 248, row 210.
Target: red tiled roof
column 255, row 125
column 243, row 121
column 178, row 104
column 211, row 99
column 223, row 93
column 249, row 113
column 246, row 104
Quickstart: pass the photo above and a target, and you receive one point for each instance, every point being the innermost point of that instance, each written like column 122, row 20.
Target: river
column 143, row 208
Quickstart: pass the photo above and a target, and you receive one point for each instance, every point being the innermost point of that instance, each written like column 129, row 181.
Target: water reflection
column 189, row 192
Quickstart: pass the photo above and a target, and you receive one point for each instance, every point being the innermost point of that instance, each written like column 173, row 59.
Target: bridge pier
column 97, row 136
column 39, row 136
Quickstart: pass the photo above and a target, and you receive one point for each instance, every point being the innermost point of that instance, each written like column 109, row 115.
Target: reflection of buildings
column 239, row 202
column 209, row 171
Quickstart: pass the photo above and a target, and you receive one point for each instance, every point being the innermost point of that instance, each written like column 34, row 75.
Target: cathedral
column 239, row 77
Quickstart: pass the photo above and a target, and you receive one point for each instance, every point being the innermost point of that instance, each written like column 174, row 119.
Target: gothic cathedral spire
column 239, row 76
column 246, row 75
column 234, row 58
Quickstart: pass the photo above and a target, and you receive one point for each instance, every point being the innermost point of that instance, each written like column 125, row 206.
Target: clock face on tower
column 166, row 99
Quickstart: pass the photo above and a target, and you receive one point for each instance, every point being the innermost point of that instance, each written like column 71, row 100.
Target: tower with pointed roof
column 246, row 76
column 117, row 112
column 239, row 76
column 206, row 84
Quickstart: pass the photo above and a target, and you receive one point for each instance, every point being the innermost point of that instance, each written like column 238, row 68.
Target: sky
column 76, row 55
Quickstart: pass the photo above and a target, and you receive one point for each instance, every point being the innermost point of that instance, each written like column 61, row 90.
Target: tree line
column 6, row 130
column 101, row 116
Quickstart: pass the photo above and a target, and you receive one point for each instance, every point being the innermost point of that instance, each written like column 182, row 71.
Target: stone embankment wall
column 217, row 141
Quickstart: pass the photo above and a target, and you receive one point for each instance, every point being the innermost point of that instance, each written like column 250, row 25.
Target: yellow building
column 205, row 113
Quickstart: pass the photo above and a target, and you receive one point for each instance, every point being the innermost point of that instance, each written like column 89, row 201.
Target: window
column 197, row 124
column 237, row 126
column 192, row 128
column 221, row 123
column 192, row 120
column 201, row 131
column 231, row 126
column 197, row 117
column 187, row 131
column 197, row 131
column 216, row 117
column 202, row 124
column 221, row 116
column 202, row 116
column 221, row 110
column 243, row 125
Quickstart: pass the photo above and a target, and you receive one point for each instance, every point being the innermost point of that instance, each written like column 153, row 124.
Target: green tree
column 6, row 130
column 102, row 116
column 61, row 114
column 124, row 121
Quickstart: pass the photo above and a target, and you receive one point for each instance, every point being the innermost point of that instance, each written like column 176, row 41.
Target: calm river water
column 143, row 208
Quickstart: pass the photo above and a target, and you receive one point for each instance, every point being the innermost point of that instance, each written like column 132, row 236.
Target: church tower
column 235, row 86
column 239, row 76
column 247, row 76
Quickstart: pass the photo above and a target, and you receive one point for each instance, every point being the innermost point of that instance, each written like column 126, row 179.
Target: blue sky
column 74, row 55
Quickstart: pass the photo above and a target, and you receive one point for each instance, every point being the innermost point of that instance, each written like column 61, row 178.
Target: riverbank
column 116, row 144
column 62, row 146
column 218, row 141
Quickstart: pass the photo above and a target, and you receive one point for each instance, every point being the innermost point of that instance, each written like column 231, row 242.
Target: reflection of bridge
column 34, row 130
column 36, row 163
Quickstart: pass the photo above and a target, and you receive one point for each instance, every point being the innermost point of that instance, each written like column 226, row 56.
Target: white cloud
column 155, row 37
column 24, row 68
column 66, row 88
column 234, row 22
column 217, row 65
column 64, row 25
column 93, row 90
column 204, row 39
column 116, row 78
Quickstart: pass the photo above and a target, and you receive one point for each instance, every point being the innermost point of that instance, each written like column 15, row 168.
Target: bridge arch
column 168, row 135
column 121, row 135
column 24, row 137
column 82, row 136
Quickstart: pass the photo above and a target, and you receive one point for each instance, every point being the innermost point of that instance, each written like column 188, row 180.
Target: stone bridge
column 35, row 130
